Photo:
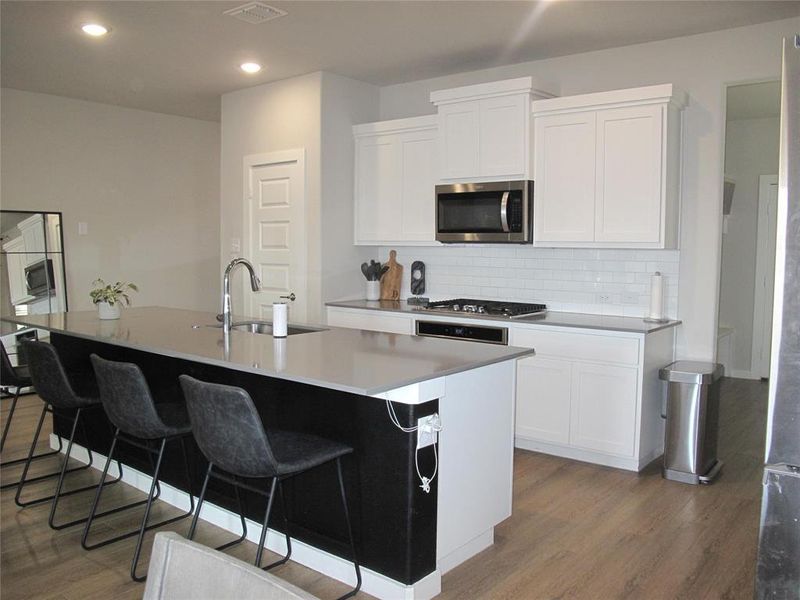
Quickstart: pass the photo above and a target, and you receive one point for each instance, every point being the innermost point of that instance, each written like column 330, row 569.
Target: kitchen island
column 337, row 383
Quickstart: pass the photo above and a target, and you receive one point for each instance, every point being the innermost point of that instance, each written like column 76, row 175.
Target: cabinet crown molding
column 665, row 93
column 396, row 125
column 520, row 85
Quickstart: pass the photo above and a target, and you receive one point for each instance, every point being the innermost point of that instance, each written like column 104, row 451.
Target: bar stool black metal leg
column 8, row 420
column 242, row 518
column 200, row 501
column 264, row 527
column 17, row 461
column 143, row 528
column 153, row 494
column 286, row 531
column 349, row 532
column 58, row 494
column 60, row 474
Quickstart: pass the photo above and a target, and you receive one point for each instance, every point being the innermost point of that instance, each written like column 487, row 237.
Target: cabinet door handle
column 291, row 297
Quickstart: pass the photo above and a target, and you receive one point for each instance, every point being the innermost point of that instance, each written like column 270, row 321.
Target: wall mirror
column 32, row 272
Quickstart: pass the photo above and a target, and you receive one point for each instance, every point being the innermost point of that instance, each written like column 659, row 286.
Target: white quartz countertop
column 556, row 319
column 349, row 360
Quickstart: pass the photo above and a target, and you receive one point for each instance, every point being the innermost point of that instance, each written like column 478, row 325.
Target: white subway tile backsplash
column 565, row 279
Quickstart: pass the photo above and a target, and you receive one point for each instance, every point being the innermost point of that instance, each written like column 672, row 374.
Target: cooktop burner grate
column 495, row 308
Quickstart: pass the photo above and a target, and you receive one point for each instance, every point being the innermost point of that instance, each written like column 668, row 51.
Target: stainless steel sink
column 264, row 327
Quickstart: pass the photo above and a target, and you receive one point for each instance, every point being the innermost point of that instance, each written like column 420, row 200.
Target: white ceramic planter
column 108, row 311
column 373, row 290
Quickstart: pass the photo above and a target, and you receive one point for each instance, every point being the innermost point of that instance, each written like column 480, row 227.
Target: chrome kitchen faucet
column 255, row 284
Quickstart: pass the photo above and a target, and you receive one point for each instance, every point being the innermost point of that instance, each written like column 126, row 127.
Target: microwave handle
column 504, row 212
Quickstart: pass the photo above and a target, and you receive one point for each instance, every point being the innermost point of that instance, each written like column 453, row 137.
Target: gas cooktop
column 493, row 308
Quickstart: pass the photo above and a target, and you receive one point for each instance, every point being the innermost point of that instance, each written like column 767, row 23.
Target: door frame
column 278, row 157
column 758, row 367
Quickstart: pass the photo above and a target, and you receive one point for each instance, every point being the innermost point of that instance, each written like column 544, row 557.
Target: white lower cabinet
column 591, row 396
column 544, row 384
column 370, row 320
column 603, row 415
column 588, row 394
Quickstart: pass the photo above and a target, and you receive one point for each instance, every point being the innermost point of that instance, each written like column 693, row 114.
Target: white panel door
column 417, row 185
column 543, row 399
column 629, row 175
column 564, row 171
column 379, row 209
column 604, row 408
column 765, row 274
column 501, row 137
column 275, row 224
column 458, row 127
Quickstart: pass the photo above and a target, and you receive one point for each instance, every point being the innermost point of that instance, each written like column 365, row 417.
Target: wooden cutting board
column 392, row 279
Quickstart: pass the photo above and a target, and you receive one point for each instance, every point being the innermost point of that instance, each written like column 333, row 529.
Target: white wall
column 146, row 183
column 751, row 149
column 701, row 65
column 277, row 116
column 315, row 112
column 603, row 282
column 345, row 102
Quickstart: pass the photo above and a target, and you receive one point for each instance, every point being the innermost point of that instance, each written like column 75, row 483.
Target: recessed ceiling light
column 94, row 29
column 250, row 67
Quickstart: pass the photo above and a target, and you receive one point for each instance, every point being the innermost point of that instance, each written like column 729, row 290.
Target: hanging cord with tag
column 436, row 426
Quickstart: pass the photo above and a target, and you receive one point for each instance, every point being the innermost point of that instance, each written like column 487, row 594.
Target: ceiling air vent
column 255, row 13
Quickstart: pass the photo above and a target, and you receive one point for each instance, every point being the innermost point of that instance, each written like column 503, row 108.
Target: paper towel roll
column 656, row 296
column 279, row 319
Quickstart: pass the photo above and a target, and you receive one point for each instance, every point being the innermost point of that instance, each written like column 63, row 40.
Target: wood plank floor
column 578, row 530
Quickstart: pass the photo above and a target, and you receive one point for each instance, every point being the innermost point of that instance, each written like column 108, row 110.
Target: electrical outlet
column 603, row 298
column 630, row 298
column 427, row 430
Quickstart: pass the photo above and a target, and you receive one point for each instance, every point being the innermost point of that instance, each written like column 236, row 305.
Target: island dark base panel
column 394, row 520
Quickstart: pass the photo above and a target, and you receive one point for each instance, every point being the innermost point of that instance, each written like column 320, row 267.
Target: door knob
column 291, row 297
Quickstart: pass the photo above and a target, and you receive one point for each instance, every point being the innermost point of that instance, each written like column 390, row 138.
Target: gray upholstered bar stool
column 69, row 398
column 232, row 437
column 12, row 378
column 18, row 378
column 139, row 422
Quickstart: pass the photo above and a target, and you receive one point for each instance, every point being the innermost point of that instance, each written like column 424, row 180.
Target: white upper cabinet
column 607, row 169
column 395, row 177
column 16, row 261
column 565, row 171
column 484, row 130
column 32, row 230
column 459, row 140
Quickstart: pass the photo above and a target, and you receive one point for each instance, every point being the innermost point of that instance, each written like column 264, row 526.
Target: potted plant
column 109, row 297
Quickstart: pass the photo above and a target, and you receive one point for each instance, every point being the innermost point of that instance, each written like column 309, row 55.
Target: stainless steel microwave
column 494, row 212
column 39, row 278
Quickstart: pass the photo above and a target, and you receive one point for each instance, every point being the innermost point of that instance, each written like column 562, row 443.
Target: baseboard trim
column 323, row 562
column 597, row 458
column 741, row 374
column 477, row 544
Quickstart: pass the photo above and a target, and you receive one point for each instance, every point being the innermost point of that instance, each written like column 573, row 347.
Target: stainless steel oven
column 491, row 212
column 39, row 279
column 463, row 331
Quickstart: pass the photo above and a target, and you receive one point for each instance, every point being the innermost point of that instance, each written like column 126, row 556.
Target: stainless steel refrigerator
column 778, row 569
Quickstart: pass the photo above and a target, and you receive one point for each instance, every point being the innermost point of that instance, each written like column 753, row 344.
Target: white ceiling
column 178, row 57
column 754, row 101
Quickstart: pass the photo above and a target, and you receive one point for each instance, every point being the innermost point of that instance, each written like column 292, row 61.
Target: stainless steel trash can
column 692, row 413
